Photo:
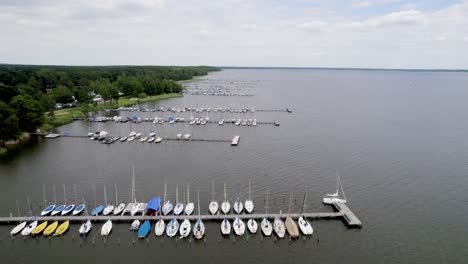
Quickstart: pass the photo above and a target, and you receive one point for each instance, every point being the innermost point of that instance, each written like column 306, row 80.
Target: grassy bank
column 65, row 116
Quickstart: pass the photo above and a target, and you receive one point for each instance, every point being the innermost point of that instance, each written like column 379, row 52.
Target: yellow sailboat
column 63, row 227
column 51, row 228
column 38, row 229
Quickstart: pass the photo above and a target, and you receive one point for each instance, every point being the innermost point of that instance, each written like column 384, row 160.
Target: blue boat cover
column 154, row 204
column 144, row 229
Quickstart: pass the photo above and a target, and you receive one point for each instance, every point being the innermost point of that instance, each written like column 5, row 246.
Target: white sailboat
column 109, row 207
column 213, row 207
column 120, row 206
column 135, row 225
column 225, row 227
column 106, row 228
column 265, row 225
column 225, row 206
column 86, row 226
column 238, row 206
column 334, row 197
column 80, row 207
column 172, row 227
column 249, row 205
column 179, row 207
column 167, row 207
column 59, row 208
column 252, row 226
column 159, row 227
column 238, row 226
column 47, row 209
column 278, row 226
column 199, row 227
column 304, row 225
column 69, row 207
column 189, row 207
column 31, row 225
column 185, row 228
column 18, row 228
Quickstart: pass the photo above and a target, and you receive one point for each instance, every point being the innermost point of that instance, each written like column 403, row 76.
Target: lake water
column 398, row 138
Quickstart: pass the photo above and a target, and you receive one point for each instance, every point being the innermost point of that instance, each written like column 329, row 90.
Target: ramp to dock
column 348, row 215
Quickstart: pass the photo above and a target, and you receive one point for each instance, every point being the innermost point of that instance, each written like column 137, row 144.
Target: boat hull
column 213, row 208
column 28, row 229
column 225, row 227
column 252, row 226
column 159, row 228
column 185, row 228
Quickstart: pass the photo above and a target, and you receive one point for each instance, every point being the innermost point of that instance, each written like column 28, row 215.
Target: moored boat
column 29, row 228
column 50, row 228
column 252, row 226
column 225, row 227
column 135, row 225
column 144, row 229
column 106, row 228
column 185, row 228
column 18, row 228
column 62, row 228
column 39, row 228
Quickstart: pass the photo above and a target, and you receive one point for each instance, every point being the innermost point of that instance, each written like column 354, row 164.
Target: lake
column 398, row 138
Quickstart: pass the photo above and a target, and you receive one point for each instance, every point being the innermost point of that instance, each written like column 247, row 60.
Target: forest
column 28, row 92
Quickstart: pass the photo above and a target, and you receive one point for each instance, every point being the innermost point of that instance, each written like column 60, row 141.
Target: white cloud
column 361, row 3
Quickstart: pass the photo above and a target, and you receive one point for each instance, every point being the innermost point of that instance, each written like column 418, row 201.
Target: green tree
column 29, row 112
column 62, row 94
column 7, row 92
column 9, row 128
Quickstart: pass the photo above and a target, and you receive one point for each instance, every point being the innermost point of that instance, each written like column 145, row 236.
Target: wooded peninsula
column 31, row 94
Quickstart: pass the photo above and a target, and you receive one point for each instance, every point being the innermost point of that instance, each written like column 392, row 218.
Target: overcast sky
column 301, row 33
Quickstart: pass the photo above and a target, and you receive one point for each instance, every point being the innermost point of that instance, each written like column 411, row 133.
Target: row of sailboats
column 63, row 209
column 238, row 207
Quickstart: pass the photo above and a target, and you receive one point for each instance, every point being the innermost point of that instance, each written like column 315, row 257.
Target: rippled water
column 399, row 140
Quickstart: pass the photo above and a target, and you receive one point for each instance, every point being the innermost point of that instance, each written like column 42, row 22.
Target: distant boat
column 238, row 226
column 97, row 210
column 79, row 208
column 106, row 228
column 58, row 209
column 62, row 228
column 159, row 226
column 50, row 208
column 213, row 207
column 157, row 140
column 334, row 197
column 179, row 207
column 167, row 207
column 225, row 227
column 304, row 225
column 225, row 206
column 238, row 206
column 145, row 228
column 109, row 207
column 85, row 228
column 68, row 209
column 119, row 209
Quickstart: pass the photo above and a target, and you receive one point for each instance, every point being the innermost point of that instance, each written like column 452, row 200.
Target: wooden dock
column 343, row 212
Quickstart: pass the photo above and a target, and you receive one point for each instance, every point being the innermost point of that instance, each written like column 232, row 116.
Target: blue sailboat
column 144, row 230
column 97, row 210
column 48, row 209
column 78, row 209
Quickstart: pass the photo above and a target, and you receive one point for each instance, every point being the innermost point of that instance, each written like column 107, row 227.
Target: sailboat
column 50, row 228
column 172, row 227
column 238, row 226
column 144, row 230
column 62, row 228
column 106, row 228
column 69, row 207
column 80, row 207
column 160, row 226
column 109, row 207
column 225, row 206
column 291, row 226
column 225, row 227
column 249, row 205
column 120, row 206
column 20, row 226
column 31, row 225
column 252, row 226
column 199, row 227
column 86, row 226
column 265, row 225
column 213, row 207
column 189, row 207
column 279, row 227
column 39, row 228
column 179, row 207
column 97, row 209
column 185, row 228
column 334, row 197
column 135, row 225
column 59, row 208
column 167, row 207
column 304, row 225
column 238, row 206
column 48, row 209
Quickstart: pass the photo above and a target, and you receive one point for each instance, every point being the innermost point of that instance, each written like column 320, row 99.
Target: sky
column 424, row 34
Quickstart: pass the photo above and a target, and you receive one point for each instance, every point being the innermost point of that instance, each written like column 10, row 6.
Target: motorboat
column 225, row 227
column 144, row 229
column 135, row 225
column 252, row 226
column 278, row 226
column 29, row 228
column 238, row 226
column 85, row 228
column 106, row 228
column 185, row 228
column 172, row 228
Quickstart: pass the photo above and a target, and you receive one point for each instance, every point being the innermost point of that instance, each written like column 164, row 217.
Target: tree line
column 28, row 91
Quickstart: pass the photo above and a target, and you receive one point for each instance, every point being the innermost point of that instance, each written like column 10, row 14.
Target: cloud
column 361, row 3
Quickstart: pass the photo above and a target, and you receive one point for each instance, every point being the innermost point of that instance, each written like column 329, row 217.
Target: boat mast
column 94, row 188
column 105, row 196
column 55, row 198
column 249, row 191
column 74, row 190
column 133, row 185
column 45, row 201
column 29, row 205
column 64, row 196
column 344, row 196
column 290, row 202
column 266, row 204
column 198, row 205
column 115, row 190
column 303, row 204
column 17, row 207
column 212, row 190
column 165, row 189
column 177, row 193
column 337, row 178
column 86, row 209
column 225, row 192
column 188, row 193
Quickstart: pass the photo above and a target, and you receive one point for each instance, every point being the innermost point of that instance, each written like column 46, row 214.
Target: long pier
column 345, row 213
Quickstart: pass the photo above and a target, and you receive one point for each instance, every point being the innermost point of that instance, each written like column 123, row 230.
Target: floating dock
column 345, row 213
column 235, row 141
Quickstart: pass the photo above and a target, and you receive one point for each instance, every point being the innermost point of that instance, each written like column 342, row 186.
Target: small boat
column 167, row 207
column 213, row 207
column 48, row 210
column 248, row 204
column 50, row 228
column 189, row 207
column 143, row 139
column 157, row 140
column 172, row 228
column 106, row 228
column 39, row 228
column 334, row 197
column 252, row 226
column 119, row 209
column 185, row 228
column 179, row 207
column 187, row 136
column 291, row 227
column 238, row 226
column 85, row 228
column 254, row 122
column 130, row 139
column 279, row 227
column 152, row 134
column 304, row 225
column 221, row 122
column 179, row 136
column 199, row 227
column 98, row 210
column 225, row 206
column 265, row 225
column 108, row 209
column 137, row 135
column 225, row 227
column 68, row 209
column 58, row 209
column 62, row 228
column 135, row 225
column 151, row 139
column 122, row 139
column 238, row 206
column 144, row 230
column 29, row 228
column 159, row 227
column 277, row 123
column 78, row 209
column 18, row 228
